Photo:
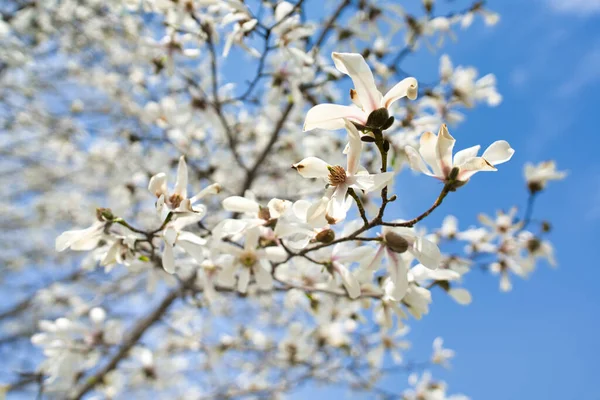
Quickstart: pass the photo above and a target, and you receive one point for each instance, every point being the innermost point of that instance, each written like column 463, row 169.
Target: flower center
column 175, row 200
column 248, row 259
column 337, row 175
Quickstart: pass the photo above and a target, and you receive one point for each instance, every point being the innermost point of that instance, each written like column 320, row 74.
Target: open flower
column 394, row 243
column 342, row 179
column 436, row 152
column 178, row 200
column 537, row 176
column 365, row 96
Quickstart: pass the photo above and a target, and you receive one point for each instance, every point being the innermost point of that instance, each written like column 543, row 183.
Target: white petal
column 240, row 204
column 252, row 237
column 407, row 87
column 331, row 116
column 398, row 275
column 336, row 207
column 444, row 147
column 428, row 150
column 276, row 254
column 354, row 65
column 243, row 280
column 182, row 178
column 263, row 277
column 215, row 188
column 461, row 156
column 168, row 260
column 372, row 182
column 461, row 296
column 354, row 147
column 427, row 253
column 499, row 152
column 348, row 279
column 312, row 167
column 158, row 184
column 473, row 165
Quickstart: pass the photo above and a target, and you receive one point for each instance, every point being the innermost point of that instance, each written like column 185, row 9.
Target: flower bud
column 104, row 214
column 378, row 118
column 388, row 123
column 325, row 236
column 396, row 243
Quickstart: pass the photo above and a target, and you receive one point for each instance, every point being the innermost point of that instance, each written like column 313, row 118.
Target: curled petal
column 331, row 116
column 499, row 152
column 336, row 207
column 461, row 156
column 158, row 184
column 348, row 279
column 407, row 87
column 416, row 161
column 444, row 147
column 428, row 150
column 312, row 167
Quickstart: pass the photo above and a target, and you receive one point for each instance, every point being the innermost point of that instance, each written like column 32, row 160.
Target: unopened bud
column 325, row 236
column 535, row 187
column 104, row 214
column 546, row 227
column 378, row 118
column 396, row 242
column 388, row 123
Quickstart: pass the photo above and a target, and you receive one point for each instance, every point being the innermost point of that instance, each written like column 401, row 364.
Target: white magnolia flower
column 365, row 96
column 178, row 200
column 537, row 176
column 394, row 243
column 353, row 176
column 441, row 355
column 250, row 260
column 81, row 239
column 435, row 152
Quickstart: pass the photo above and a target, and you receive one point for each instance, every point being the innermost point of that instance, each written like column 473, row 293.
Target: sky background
column 540, row 341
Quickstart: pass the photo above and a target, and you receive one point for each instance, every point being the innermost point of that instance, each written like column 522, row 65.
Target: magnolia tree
column 238, row 238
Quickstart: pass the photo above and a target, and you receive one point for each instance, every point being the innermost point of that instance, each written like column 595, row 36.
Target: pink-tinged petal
column 262, row 274
column 407, row 87
column 182, row 179
column 354, row 147
column 444, row 147
column 331, row 116
column 375, row 263
column 428, row 150
column 240, row 204
column 398, row 275
column 461, row 156
column 427, row 253
column 499, row 152
column 336, row 207
column 168, row 259
column 243, row 280
column 372, row 182
column 158, row 184
column 472, row 166
column 355, row 66
column 312, row 167
column 416, row 161
column 348, row 279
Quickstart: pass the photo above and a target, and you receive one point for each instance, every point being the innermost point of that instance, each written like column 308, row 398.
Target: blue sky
column 539, row 341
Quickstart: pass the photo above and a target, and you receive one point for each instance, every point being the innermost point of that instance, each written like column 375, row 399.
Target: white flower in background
column 250, row 260
column 536, row 248
column 449, row 227
column 504, row 224
column 466, row 88
column 441, row 355
column 353, row 176
column 388, row 343
column 537, row 176
column 395, row 244
column 365, row 96
column 340, row 254
column 244, row 24
column 444, row 278
column 178, row 200
column 435, row 152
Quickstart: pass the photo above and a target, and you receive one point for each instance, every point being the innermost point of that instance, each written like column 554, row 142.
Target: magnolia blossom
column 81, row 239
column 435, row 152
column 537, row 176
column 395, row 242
column 441, row 355
column 353, row 176
column 365, row 96
column 250, row 260
column 178, row 200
